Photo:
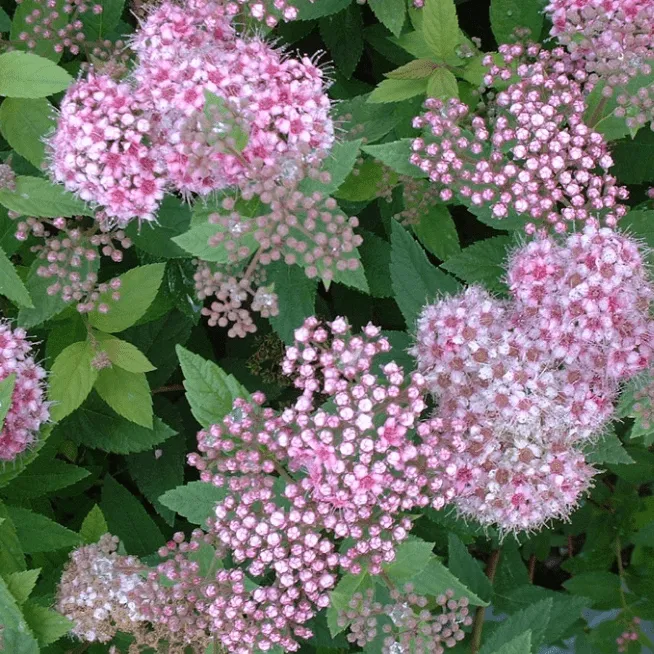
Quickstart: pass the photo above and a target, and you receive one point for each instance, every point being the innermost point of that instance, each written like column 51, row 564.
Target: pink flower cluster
column 203, row 109
column 28, row 409
column 531, row 155
column 612, row 42
column 523, row 384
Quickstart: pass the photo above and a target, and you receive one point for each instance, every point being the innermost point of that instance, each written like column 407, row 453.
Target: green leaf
column 127, row 393
column 155, row 473
column 138, row 288
column 440, row 27
column 390, row 13
column 506, row 15
column 71, row 379
column 6, row 393
column 435, row 579
column 195, row 501
column 535, row 617
column 12, row 558
column 173, row 219
column 309, row 10
column 634, row 158
column 608, row 449
column 296, row 295
column 35, row 196
column 123, row 354
column 361, row 120
column 95, row 425
column 414, row 43
column 376, row 259
column 393, row 90
column 209, row 390
column 343, row 36
column 217, row 109
column 37, row 533
column 48, row 625
column 26, row 75
column 127, row 519
column 416, row 69
column 467, row 569
column 442, row 85
column 339, row 165
column 639, row 224
column 98, row 26
column 437, row 232
column 24, row 124
column 23, row 21
column 5, row 21
column 94, row 526
column 21, row 584
column 197, row 242
column 341, row 595
column 482, row 263
column 415, row 281
column 603, row 588
column 365, row 181
column 396, row 156
column 16, row 635
column 11, row 285
column 519, row 645
column 411, row 558
column 44, row 477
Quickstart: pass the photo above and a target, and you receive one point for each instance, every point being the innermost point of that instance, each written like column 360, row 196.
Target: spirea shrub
column 326, row 326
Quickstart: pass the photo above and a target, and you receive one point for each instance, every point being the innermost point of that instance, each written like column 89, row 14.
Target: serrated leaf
column 435, row 579
column 94, row 526
column 634, row 158
column 5, row 21
column 390, row 13
column 23, row 21
column 506, row 15
column 437, row 232
column 156, row 473
column 416, row 69
column 411, row 558
column 26, row 75
column 467, row 569
column 394, row 90
column 482, row 263
column 48, row 626
column 296, row 295
column 197, row 242
column 359, row 119
column 37, row 533
column 440, row 27
column 339, row 165
column 209, row 390
column 519, row 645
column 138, row 288
column 415, row 281
column 71, row 379
column 45, row 476
column 17, row 637
column 127, row 518
column 534, row 617
column 96, row 425
column 7, row 386
column 442, row 85
column 365, row 181
column 608, row 449
column 35, row 196
column 12, row 558
column 127, row 393
column 195, row 501
column 376, row 259
column 396, row 156
column 123, row 354
column 414, row 43
column 11, row 285
column 24, row 124
column 98, row 25
column 21, row 584
column 343, row 35
column 602, row 588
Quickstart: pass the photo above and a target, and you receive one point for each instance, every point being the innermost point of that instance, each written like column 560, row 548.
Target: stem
column 618, row 556
column 592, row 121
column 532, row 567
column 478, row 625
column 570, row 547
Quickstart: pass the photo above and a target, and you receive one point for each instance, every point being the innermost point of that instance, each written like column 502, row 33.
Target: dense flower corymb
column 28, row 409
